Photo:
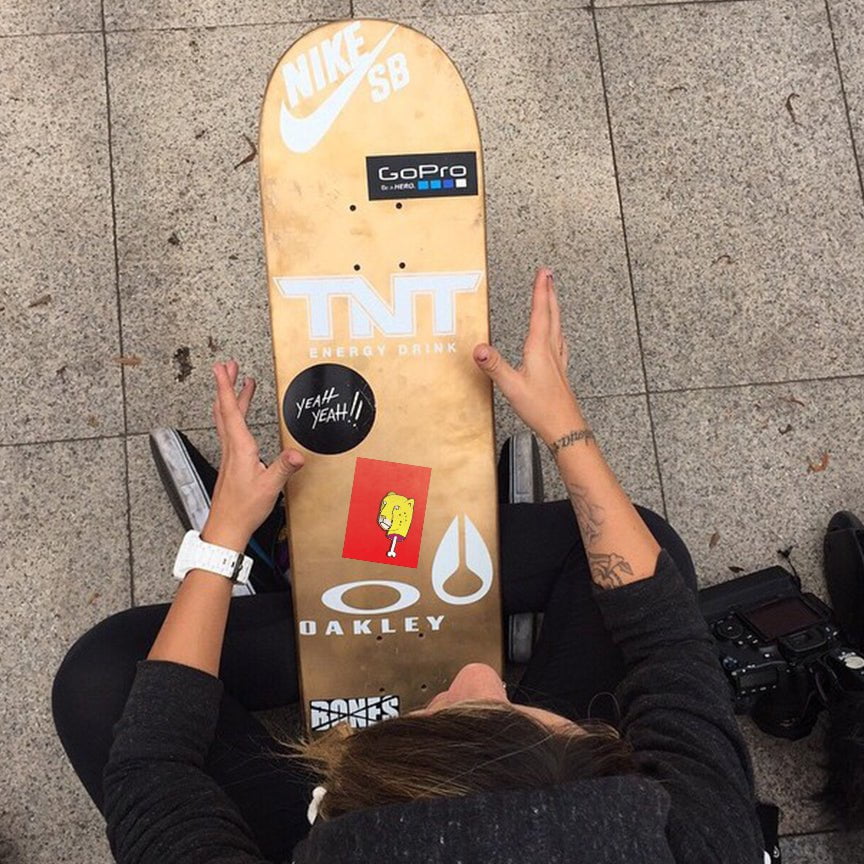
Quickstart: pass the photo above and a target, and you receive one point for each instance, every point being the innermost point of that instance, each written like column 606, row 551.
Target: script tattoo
column 585, row 435
column 588, row 515
column 606, row 570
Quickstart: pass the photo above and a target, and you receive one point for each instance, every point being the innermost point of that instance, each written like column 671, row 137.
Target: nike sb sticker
column 359, row 713
column 315, row 70
column 386, row 512
column 421, row 175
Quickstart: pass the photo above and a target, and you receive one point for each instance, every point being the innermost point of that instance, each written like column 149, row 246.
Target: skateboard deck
column 372, row 195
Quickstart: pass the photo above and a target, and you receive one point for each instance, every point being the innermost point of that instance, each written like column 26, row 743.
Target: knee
column 97, row 670
column 669, row 539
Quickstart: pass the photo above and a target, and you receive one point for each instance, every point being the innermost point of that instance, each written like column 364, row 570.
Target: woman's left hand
column 246, row 489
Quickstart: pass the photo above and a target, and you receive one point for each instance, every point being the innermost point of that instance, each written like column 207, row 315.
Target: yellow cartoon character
column 394, row 517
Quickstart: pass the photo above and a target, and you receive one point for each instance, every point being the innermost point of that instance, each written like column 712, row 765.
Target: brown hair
column 465, row 749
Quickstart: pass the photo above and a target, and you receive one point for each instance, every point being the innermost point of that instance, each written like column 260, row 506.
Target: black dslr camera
column 781, row 649
column 787, row 656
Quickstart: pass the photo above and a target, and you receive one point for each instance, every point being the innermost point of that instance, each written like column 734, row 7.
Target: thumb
column 495, row 366
column 287, row 463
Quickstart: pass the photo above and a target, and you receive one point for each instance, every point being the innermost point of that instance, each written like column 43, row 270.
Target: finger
column 286, row 464
column 232, row 418
column 246, row 395
column 233, row 368
column 554, row 313
column 217, row 419
column 496, row 367
column 538, row 327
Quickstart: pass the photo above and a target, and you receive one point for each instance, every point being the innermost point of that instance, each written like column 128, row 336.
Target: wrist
column 566, row 430
column 220, row 534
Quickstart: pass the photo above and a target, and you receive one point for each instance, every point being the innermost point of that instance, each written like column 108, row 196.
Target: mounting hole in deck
column 381, row 690
column 420, row 635
column 401, row 265
column 422, row 686
column 379, row 638
column 398, row 205
column 352, row 207
column 356, row 266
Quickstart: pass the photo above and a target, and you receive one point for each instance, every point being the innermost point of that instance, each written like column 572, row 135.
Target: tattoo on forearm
column 585, row 435
column 589, row 515
column 607, row 570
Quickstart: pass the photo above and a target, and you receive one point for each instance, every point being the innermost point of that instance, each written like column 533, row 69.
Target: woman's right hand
column 538, row 389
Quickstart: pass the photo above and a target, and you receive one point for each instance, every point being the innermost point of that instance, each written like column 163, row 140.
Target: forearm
column 194, row 628
column 619, row 546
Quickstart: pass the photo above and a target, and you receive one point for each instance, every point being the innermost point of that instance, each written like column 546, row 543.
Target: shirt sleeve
column 161, row 806
column 676, row 712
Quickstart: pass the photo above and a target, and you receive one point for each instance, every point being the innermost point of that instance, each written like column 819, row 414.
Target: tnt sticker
column 362, row 712
column 385, row 517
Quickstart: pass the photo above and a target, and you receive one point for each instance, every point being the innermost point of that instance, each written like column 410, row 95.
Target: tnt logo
column 366, row 308
column 359, row 713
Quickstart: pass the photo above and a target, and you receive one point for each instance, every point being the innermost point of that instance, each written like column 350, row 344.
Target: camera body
column 781, row 648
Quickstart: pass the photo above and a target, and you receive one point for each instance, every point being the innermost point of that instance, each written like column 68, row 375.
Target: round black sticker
column 329, row 408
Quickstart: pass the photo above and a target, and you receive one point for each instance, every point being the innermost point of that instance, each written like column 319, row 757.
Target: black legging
column 543, row 569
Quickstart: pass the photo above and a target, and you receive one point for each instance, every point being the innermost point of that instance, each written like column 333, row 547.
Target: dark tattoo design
column 588, row 515
column 606, row 570
column 585, row 435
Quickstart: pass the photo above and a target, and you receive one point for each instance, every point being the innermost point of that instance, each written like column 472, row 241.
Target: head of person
column 468, row 740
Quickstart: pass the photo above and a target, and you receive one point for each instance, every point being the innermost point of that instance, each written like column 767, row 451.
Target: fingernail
column 483, row 356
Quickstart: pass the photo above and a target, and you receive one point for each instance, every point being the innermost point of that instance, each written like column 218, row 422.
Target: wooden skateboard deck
column 372, row 196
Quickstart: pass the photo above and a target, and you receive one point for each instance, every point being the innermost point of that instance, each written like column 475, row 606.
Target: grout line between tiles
column 672, row 3
column 51, row 33
column 629, row 264
column 119, row 309
column 845, row 100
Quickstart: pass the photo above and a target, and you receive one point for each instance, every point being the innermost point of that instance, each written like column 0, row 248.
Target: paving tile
column 156, row 531
column 737, row 462
column 740, row 193
column 847, row 19
column 834, row 848
column 398, row 10
column 551, row 197
column 71, row 16
column 189, row 231
column 735, row 467
column 129, row 14
column 788, row 774
column 65, row 506
column 57, row 288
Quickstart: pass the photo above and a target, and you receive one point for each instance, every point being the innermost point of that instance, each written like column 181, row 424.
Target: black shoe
column 520, row 481
column 520, row 475
column 843, row 551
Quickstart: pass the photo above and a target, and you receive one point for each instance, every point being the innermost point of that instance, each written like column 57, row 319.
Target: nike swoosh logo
column 301, row 134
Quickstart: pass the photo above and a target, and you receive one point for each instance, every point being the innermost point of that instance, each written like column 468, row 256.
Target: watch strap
column 196, row 554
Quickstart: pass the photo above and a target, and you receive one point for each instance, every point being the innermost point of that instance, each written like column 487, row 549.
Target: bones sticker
column 359, row 713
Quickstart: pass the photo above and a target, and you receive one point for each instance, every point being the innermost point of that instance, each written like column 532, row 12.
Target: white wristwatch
column 195, row 554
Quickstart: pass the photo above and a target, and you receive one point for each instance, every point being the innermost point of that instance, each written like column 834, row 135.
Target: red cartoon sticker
column 385, row 517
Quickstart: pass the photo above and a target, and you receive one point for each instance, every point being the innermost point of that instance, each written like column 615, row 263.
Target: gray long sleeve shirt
column 693, row 803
